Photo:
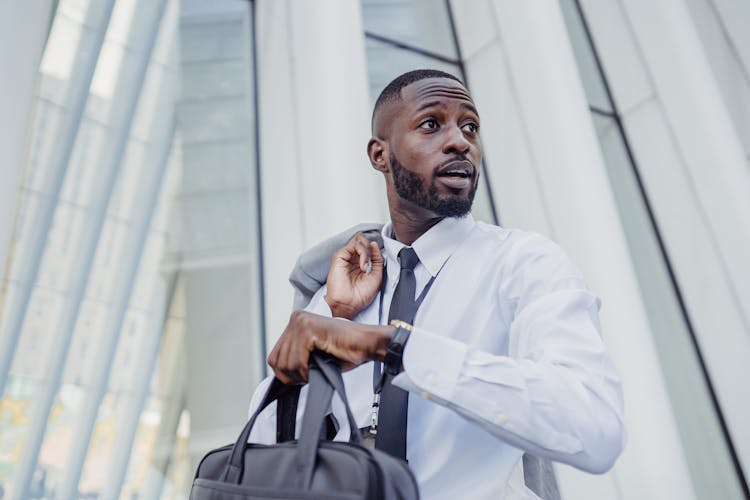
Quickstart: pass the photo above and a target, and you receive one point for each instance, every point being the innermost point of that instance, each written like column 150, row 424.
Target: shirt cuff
column 432, row 365
column 318, row 304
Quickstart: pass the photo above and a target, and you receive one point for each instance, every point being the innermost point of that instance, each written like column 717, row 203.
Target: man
column 505, row 354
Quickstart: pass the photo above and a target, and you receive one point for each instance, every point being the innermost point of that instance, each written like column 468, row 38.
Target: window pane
column 168, row 120
column 420, row 23
column 590, row 76
column 385, row 62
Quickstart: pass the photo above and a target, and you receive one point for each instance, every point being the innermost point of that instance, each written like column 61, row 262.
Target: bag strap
column 286, row 415
column 233, row 472
column 325, row 377
column 329, row 367
column 286, row 419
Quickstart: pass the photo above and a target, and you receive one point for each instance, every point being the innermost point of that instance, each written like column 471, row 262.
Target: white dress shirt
column 506, row 356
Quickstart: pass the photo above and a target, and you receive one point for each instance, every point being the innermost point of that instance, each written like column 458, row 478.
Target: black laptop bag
column 309, row 468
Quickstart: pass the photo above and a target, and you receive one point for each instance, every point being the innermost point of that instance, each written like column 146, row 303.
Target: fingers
column 376, row 256
column 277, row 360
column 359, row 251
column 351, row 343
column 363, row 249
column 286, row 365
column 291, row 367
column 290, row 356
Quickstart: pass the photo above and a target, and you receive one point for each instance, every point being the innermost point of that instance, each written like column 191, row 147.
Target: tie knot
column 408, row 258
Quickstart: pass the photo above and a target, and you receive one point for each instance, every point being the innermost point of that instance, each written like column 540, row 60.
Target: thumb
column 376, row 255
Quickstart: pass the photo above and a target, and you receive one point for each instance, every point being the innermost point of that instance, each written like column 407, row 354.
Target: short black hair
column 392, row 91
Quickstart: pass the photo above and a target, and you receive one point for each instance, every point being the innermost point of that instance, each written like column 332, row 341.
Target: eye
column 429, row 124
column 470, row 127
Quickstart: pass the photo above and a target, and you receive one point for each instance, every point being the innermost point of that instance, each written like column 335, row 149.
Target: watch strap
column 395, row 352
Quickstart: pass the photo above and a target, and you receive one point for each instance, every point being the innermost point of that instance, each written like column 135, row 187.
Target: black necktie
column 394, row 401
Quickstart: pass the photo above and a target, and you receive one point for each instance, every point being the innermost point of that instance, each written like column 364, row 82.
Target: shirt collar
column 436, row 245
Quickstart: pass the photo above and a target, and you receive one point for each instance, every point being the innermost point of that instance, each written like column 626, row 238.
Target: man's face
column 435, row 151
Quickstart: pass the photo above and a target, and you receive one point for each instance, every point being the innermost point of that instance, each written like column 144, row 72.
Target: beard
column 412, row 187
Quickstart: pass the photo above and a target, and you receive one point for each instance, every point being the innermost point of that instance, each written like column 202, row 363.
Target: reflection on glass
column 424, row 24
column 707, row 456
column 385, row 62
column 590, row 76
column 115, row 176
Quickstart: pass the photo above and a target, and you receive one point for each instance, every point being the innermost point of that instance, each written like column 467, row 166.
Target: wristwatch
column 396, row 346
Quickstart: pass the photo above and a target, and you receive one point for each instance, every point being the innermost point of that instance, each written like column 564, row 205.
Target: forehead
column 438, row 90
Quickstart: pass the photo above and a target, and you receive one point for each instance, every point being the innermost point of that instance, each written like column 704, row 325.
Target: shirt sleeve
column 556, row 394
column 318, row 304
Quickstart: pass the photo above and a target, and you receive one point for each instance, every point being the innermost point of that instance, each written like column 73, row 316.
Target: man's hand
column 352, row 343
column 354, row 277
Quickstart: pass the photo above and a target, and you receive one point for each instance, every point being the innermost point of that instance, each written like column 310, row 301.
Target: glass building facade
column 166, row 161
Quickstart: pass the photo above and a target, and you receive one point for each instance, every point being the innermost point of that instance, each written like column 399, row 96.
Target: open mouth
column 456, row 175
column 459, row 174
column 455, row 180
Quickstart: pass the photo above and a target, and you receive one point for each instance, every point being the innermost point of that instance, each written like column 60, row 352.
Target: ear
column 377, row 151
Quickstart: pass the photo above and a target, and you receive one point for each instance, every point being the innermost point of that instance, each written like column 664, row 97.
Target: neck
column 407, row 227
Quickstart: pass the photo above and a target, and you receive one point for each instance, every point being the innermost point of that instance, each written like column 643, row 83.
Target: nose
column 456, row 142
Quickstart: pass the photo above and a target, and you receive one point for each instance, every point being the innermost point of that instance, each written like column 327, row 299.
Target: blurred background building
column 165, row 161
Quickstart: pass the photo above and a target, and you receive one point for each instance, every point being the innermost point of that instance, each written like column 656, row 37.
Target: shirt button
column 425, row 395
column 500, row 419
column 432, row 379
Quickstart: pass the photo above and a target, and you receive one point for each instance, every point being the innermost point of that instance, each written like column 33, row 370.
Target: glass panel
column 214, row 120
column 30, row 204
column 119, row 422
column 385, row 62
column 164, row 417
column 138, row 440
column 89, row 13
column 70, row 50
column 705, row 449
column 215, row 167
column 56, row 269
column 222, row 78
column 49, row 120
column 208, row 42
column 138, row 157
column 93, row 148
column 482, row 208
column 420, row 23
column 46, row 306
column 587, row 69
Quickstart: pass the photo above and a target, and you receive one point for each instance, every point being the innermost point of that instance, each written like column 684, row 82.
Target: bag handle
column 329, row 367
column 325, row 378
column 233, row 472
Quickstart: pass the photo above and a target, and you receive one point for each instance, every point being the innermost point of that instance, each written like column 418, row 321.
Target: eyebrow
column 431, row 104
column 470, row 107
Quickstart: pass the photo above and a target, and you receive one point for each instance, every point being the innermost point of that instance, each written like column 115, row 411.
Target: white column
column 549, row 176
column 316, row 179
column 23, row 33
